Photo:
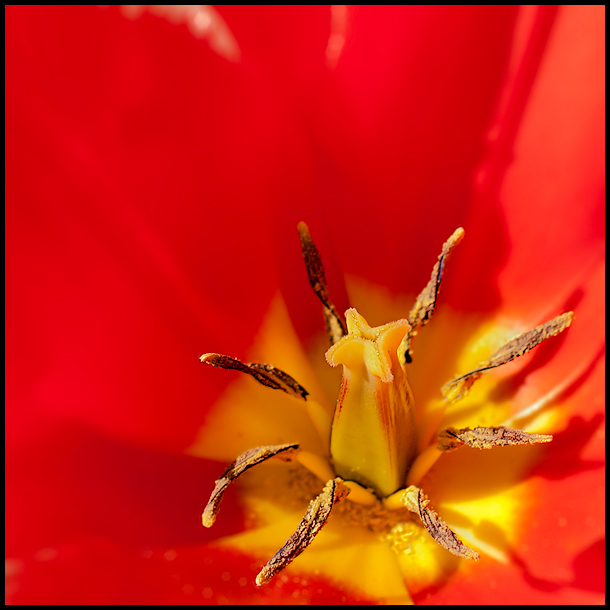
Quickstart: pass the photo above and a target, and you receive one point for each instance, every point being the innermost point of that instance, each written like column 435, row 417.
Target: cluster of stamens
column 373, row 465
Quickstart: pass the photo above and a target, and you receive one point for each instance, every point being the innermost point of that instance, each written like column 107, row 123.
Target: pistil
column 373, row 435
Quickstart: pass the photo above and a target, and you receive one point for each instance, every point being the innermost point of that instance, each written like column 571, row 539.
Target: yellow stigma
column 373, row 434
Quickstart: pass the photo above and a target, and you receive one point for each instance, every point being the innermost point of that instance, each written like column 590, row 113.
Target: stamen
column 265, row 374
column 488, row 438
column 246, row 460
column 426, row 301
column 314, row 520
column 415, row 501
column 458, row 388
column 335, row 328
column 422, row 464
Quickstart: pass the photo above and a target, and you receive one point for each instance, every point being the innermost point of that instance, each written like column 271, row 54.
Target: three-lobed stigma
column 374, row 439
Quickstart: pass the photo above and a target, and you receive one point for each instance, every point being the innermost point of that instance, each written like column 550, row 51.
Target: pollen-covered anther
column 246, row 460
column 265, row 374
column 414, row 500
column 315, row 518
column 315, row 272
column 458, row 388
column 488, row 437
column 425, row 304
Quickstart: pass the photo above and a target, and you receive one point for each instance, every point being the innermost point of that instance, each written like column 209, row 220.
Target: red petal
column 140, row 168
column 544, row 168
column 97, row 572
column 136, row 184
column 560, row 555
column 489, row 582
column 400, row 133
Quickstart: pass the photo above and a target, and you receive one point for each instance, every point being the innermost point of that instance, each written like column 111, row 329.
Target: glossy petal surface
column 153, row 187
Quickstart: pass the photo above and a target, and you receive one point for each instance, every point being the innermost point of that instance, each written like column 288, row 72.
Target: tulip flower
column 158, row 162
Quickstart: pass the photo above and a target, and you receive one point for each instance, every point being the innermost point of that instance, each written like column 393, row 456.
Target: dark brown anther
column 315, row 271
column 265, row 374
column 459, row 387
column 415, row 501
column 314, row 520
column 488, row 438
column 426, row 301
column 246, row 460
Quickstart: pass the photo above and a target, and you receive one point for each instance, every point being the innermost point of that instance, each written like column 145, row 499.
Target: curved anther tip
column 208, row 518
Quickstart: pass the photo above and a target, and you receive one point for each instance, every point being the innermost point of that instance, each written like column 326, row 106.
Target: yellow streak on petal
column 488, row 524
column 485, row 405
column 277, row 343
column 249, row 415
column 487, row 508
column 422, row 561
column 487, row 548
column 317, row 465
column 501, row 508
column 350, row 557
column 422, row 464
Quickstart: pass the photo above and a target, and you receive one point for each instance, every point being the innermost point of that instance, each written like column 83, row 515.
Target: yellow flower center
column 368, row 454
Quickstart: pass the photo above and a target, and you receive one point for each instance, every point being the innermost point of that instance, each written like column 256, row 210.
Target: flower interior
column 379, row 443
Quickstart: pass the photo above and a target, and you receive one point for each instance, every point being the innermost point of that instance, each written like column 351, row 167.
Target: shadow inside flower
column 562, row 456
column 588, row 571
column 594, row 557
